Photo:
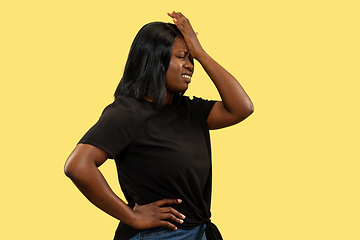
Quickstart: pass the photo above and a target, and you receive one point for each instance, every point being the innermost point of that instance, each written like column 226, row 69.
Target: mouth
column 187, row 77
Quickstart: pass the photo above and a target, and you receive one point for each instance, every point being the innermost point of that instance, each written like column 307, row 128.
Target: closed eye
column 183, row 54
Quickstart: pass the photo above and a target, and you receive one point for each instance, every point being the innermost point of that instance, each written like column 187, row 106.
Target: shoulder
column 120, row 110
column 195, row 100
column 198, row 102
column 131, row 109
column 123, row 104
column 198, row 105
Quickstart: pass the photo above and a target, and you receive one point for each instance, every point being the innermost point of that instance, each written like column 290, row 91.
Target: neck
column 168, row 99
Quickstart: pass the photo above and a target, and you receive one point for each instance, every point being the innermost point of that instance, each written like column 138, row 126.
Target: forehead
column 179, row 45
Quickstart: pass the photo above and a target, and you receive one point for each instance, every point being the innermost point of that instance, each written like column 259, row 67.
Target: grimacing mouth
column 187, row 75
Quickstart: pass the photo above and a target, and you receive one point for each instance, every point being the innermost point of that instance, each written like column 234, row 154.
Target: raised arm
column 236, row 104
column 82, row 168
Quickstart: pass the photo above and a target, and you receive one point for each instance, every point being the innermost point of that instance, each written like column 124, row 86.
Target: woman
column 159, row 138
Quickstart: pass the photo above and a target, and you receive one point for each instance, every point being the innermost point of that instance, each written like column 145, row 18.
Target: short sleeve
column 114, row 130
column 204, row 106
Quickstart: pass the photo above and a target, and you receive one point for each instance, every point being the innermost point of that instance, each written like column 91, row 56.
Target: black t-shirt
column 159, row 154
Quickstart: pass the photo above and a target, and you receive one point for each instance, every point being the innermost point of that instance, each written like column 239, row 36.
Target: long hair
column 147, row 63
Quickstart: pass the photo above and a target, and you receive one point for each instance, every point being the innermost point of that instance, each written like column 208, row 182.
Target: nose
column 188, row 65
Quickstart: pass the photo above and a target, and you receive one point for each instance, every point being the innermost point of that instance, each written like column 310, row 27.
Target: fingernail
column 181, row 221
column 179, row 200
column 183, row 216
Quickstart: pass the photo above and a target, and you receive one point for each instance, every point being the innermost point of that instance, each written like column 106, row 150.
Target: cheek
column 173, row 66
column 172, row 70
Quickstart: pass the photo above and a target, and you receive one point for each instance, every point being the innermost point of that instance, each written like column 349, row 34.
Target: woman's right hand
column 154, row 215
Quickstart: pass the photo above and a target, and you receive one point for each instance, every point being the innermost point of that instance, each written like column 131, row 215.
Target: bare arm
column 82, row 168
column 236, row 104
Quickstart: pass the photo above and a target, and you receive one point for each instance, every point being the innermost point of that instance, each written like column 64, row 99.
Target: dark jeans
column 159, row 233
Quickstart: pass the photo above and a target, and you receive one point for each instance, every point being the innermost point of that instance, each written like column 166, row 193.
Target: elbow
column 79, row 163
column 68, row 170
column 72, row 169
column 250, row 107
column 248, row 110
column 245, row 112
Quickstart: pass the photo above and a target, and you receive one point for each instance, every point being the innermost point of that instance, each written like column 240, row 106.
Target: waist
column 166, row 233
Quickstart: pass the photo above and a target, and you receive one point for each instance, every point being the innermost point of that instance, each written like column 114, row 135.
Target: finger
column 181, row 18
column 168, row 225
column 183, row 22
column 167, row 201
column 173, row 211
column 172, row 15
column 171, row 217
column 180, row 15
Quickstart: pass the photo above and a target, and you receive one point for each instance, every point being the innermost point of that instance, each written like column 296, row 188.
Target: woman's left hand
column 190, row 37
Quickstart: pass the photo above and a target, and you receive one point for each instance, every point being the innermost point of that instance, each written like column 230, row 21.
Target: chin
column 184, row 90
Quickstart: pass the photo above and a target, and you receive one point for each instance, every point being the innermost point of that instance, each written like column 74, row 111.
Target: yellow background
column 290, row 171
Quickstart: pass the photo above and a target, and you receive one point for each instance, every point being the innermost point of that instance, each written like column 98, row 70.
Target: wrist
column 132, row 219
column 201, row 56
column 128, row 217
